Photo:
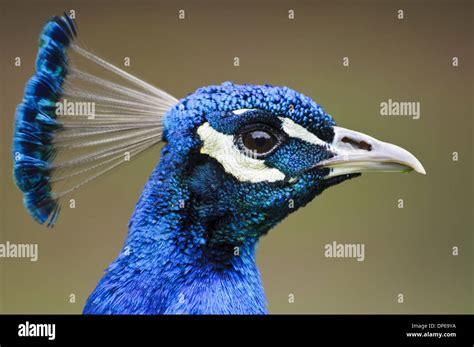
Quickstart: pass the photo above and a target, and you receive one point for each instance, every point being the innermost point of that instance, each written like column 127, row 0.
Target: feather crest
column 56, row 152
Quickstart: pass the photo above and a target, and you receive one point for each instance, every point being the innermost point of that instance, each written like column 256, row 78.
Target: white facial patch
column 242, row 110
column 297, row 131
column 222, row 148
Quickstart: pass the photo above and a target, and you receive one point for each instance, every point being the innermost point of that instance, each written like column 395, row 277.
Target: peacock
column 237, row 160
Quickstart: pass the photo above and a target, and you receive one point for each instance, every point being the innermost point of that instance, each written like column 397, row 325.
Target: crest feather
column 73, row 125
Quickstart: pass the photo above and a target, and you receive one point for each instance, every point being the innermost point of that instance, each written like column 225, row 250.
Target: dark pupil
column 258, row 141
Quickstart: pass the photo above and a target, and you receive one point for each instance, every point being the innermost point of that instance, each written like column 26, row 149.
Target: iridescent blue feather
column 35, row 120
column 51, row 146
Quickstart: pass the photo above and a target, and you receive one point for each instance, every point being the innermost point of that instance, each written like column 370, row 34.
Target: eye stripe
column 297, row 131
column 222, row 148
column 242, row 110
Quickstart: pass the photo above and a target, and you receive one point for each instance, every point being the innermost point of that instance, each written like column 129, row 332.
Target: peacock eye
column 258, row 141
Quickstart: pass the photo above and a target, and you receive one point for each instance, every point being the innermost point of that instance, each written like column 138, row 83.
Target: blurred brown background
column 407, row 250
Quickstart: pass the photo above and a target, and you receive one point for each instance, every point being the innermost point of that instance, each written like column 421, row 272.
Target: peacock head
column 251, row 155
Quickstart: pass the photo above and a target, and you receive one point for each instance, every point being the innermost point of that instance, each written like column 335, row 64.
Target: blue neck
column 169, row 264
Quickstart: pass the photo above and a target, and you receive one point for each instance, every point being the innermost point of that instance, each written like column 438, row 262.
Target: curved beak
column 355, row 152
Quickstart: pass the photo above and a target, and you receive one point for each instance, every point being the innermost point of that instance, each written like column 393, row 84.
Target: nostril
column 357, row 144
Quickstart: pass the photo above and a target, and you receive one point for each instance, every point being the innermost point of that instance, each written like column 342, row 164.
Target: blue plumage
column 187, row 252
column 237, row 160
column 35, row 120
